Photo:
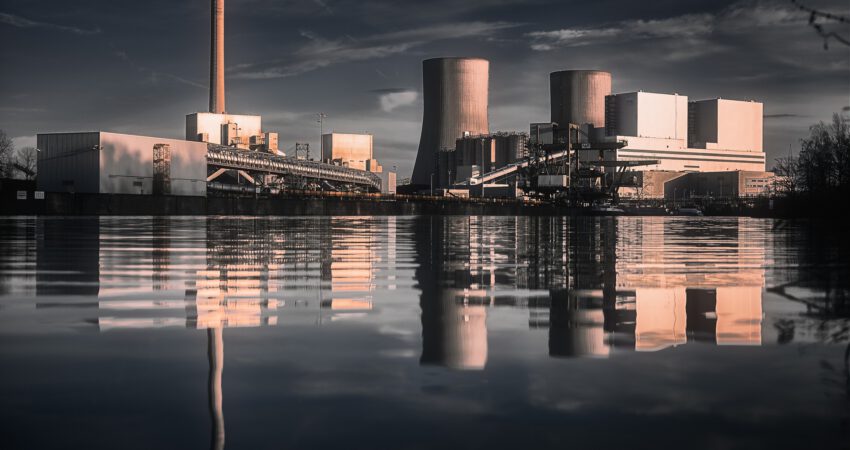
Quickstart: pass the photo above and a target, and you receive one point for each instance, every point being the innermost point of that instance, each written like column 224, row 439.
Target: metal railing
column 228, row 157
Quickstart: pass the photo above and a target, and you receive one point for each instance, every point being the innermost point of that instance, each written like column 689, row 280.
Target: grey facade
column 112, row 163
column 455, row 92
column 578, row 96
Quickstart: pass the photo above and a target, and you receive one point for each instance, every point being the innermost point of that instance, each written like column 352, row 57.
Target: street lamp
column 321, row 119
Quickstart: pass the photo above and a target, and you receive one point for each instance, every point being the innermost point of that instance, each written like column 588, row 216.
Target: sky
column 140, row 67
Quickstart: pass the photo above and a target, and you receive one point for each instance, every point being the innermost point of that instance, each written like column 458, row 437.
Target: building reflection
column 598, row 285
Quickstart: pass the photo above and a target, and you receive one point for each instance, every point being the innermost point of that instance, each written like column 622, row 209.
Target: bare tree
column 817, row 19
column 787, row 175
column 7, row 148
column 27, row 162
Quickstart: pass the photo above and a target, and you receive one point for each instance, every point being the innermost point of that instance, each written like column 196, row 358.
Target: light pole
column 432, row 184
column 321, row 119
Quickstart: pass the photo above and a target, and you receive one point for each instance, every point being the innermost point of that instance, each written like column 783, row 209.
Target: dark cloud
column 360, row 61
column 780, row 116
column 22, row 22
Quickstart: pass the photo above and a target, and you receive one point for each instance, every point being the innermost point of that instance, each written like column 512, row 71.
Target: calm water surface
column 422, row 332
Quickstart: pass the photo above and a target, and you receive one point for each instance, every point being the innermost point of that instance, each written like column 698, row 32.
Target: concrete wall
column 111, row 163
column 126, row 159
column 455, row 93
column 211, row 124
column 732, row 184
column 727, row 125
column 353, row 150
column 578, row 96
column 674, row 155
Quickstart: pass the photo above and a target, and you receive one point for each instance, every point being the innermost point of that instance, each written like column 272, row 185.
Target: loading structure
column 573, row 169
column 267, row 170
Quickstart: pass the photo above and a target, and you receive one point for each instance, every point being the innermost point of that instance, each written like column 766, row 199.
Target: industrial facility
column 222, row 152
column 350, row 150
column 597, row 146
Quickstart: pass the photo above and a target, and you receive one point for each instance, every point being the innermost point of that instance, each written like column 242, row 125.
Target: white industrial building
column 724, row 135
column 111, row 163
column 233, row 130
column 350, row 150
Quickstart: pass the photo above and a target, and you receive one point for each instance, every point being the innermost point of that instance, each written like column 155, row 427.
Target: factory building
column 223, row 129
column 657, row 127
column 112, row 163
column 455, row 93
column 350, row 150
column 683, row 186
column 721, row 124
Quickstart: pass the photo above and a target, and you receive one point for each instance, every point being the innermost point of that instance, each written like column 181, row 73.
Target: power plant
column 455, row 92
column 222, row 152
column 587, row 153
column 590, row 150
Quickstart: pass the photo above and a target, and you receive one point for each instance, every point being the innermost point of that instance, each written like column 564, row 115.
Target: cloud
column 319, row 52
column 391, row 99
column 24, row 141
column 686, row 36
column 780, row 116
column 21, row 22
column 690, row 25
column 155, row 75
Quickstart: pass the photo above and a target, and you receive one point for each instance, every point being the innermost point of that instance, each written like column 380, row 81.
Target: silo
column 455, row 95
column 578, row 96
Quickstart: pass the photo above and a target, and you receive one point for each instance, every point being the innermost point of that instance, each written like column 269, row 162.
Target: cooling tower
column 578, row 96
column 455, row 95
column 217, row 57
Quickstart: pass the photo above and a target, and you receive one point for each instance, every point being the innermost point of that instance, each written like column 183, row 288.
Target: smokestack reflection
column 215, row 354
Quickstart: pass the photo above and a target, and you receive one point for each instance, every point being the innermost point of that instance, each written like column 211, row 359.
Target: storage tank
column 455, row 94
column 578, row 96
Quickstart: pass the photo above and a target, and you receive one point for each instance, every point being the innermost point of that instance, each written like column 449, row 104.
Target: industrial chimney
column 217, row 57
column 455, row 93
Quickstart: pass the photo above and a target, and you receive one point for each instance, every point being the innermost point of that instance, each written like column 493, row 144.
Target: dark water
column 422, row 332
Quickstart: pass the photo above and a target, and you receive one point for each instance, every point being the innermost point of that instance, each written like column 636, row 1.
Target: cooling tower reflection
column 423, row 319
column 659, row 287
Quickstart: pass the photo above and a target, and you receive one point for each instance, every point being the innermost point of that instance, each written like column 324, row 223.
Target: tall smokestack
column 217, row 57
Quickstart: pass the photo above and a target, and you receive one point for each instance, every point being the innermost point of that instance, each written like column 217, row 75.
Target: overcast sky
column 140, row 67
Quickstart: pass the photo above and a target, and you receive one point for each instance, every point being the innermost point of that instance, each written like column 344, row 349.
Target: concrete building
column 224, row 129
column 721, row 124
column 684, row 186
column 350, row 150
column 728, row 184
column 112, row 163
column 656, row 127
column 578, row 97
column 647, row 115
column 455, row 92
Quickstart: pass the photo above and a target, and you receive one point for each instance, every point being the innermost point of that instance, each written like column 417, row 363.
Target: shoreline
column 311, row 204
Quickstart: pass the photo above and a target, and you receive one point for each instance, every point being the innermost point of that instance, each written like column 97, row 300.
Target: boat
column 606, row 210
column 688, row 212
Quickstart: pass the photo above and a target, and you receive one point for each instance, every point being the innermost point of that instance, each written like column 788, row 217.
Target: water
column 422, row 332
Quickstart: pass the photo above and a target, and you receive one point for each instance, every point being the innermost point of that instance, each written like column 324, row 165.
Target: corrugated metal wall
column 69, row 162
